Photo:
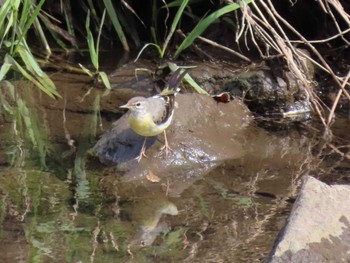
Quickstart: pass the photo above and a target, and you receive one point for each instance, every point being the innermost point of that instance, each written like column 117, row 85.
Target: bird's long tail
column 172, row 86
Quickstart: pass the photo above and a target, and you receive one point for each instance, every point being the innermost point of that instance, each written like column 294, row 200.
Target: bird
column 151, row 116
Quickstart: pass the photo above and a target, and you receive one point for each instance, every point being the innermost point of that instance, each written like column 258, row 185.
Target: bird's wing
column 162, row 108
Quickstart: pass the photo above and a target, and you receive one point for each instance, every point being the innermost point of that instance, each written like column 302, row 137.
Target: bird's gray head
column 136, row 104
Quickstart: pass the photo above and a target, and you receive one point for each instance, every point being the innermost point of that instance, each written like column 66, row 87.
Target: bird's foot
column 166, row 148
column 142, row 154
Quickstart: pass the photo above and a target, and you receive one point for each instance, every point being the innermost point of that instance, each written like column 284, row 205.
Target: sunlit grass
column 16, row 18
column 116, row 24
column 173, row 67
column 162, row 49
column 94, row 52
column 206, row 22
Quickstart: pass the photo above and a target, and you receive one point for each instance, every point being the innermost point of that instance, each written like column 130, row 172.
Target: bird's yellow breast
column 145, row 126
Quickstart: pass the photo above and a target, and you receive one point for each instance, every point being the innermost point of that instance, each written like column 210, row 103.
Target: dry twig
column 275, row 39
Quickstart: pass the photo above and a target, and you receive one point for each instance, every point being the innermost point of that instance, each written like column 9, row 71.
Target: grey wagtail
column 151, row 116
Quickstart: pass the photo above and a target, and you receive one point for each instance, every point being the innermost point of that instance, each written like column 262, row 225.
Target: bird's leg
column 166, row 146
column 142, row 152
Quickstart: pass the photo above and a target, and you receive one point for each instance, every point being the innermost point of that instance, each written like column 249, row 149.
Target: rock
column 264, row 93
column 318, row 228
column 267, row 88
column 203, row 134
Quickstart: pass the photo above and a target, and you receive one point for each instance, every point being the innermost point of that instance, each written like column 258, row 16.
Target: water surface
column 59, row 204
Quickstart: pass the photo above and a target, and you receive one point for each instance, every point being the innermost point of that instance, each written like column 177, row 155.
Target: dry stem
column 264, row 22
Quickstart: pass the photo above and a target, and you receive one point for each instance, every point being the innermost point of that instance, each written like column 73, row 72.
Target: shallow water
column 58, row 204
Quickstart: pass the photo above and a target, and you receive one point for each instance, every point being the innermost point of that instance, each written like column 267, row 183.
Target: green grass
column 16, row 18
column 116, row 24
column 94, row 52
column 205, row 23
column 162, row 49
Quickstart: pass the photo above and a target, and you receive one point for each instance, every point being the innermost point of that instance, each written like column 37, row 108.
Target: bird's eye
column 138, row 104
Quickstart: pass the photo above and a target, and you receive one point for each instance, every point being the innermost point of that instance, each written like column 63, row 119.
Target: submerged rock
column 318, row 227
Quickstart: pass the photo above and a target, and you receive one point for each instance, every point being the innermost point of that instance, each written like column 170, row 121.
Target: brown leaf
column 152, row 177
column 222, row 97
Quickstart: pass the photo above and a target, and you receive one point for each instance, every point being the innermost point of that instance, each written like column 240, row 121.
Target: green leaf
column 115, row 21
column 4, row 10
column 42, row 36
column 4, row 69
column 174, row 25
column 99, row 33
column 90, row 41
column 105, row 79
column 36, row 71
column 179, row 2
column 173, row 67
column 203, row 24
column 25, row 14
column 159, row 49
column 11, row 60
column 9, row 15
column 87, row 71
column 30, row 62
column 31, row 19
column 93, row 53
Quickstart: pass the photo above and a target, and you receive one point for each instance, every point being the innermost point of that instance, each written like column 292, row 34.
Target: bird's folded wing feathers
column 163, row 104
column 162, row 108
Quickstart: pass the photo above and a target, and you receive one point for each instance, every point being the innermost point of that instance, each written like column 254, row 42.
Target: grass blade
column 4, row 69
column 90, row 41
column 174, row 25
column 105, row 79
column 100, row 32
column 4, row 11
column 178, row 3
column 10, row 60
column 25, row 14
column 35, row 69
column 115, row 21
column 86, row 70
column 206, row 22
column 42, row 36
column 30, row 21
column 145, row 46
column 173, row 67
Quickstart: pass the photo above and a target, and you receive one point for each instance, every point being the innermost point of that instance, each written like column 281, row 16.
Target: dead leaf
column 222, row 97
column 152, row 177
